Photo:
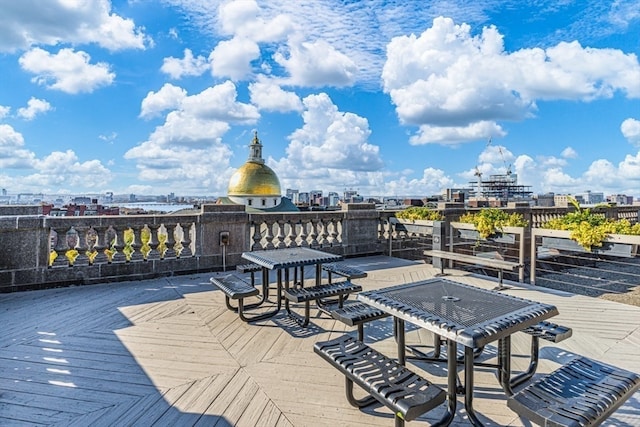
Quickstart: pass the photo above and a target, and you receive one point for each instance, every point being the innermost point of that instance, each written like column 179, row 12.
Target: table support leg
column 452, row 384
column 399, row 323
column 468, row 387
column 504, row 364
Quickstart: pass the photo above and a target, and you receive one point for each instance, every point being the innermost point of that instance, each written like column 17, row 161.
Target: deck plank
column 167, row 351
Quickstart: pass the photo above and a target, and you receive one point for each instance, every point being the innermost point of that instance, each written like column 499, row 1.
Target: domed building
column 256, row 186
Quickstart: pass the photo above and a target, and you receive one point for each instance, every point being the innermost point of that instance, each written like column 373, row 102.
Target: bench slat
column 473, row 259
column 584, row 392
column 234, row 287
column 357, row 314
column 344, row 270
column 321, row 291
column 404, row 392
column 549, row 331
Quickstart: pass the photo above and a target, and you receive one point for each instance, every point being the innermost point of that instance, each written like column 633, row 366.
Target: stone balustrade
column 40, row 251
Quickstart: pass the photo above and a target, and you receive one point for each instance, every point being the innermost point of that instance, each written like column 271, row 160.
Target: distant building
column 620, row 199
column 545, row 200
column 498, row 191
column 79, row 210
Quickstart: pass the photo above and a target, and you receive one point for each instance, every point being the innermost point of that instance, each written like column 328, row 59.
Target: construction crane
column 507, row 167
column 479, row 175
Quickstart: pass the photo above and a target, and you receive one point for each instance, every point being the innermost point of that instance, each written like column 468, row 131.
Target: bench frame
column 299, row 294
column 234, row 287
column 386, row 381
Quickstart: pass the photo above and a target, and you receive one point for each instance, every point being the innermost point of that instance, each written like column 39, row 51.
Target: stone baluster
column 303, row 234
column 324, row 232
column 153, row 242
column 83, row 247
column 136, row 244
column 118, row 246
column 99, row 245
column 61, row 248
column 74, row 240
column 170, row 244
column 314, row 235
column 268, row 236
column 291, row 236
column 333, row 236
column 185, row 242
column 256, row 236
column 279, row 239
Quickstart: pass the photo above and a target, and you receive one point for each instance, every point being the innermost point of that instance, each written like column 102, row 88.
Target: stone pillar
column 360, row 230
column 217, row 219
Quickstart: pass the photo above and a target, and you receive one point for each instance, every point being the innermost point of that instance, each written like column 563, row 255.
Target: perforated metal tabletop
column 292, row 257
column 467, row 314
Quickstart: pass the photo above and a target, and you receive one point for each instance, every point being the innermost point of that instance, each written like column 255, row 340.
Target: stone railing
column 39, row 251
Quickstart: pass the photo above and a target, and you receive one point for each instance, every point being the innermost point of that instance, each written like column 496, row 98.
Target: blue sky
column 386, row 97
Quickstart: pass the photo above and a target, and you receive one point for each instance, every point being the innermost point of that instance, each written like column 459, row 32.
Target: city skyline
column 387, row 98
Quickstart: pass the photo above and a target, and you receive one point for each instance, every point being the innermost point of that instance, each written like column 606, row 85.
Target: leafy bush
column 492, row 220
column 415, row 212
column 590, row 229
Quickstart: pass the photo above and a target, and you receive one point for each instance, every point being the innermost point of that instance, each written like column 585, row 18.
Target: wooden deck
column 167, row 352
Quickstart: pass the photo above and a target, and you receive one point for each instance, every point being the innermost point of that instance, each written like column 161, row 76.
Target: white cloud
column 12, row 152
column 268, row 95
column 569, row 153
column 316, row 64
column 448, row 78
column 454, row 135
column 169, row 97
column 242, row 18
column 186, row 151
column 432, row 182
column 232, row 58
column 630, row 170
column 34, row 107
column 188, row 66
column 4, row 111
column 332, row 139
column 630, row 129
column 64, row 169
column 67, row 70
column 26, row 23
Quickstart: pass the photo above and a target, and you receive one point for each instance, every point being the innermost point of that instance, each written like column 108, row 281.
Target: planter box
column 468, row 231
column 610, row 248
column 413, row 226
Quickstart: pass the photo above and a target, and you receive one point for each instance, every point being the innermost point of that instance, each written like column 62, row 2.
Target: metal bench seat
column 386, row 381
column 249, row 268
column 316, row 293
column 235, row 288
column 357, row 314
column 344, row 270
column 549, row 331
column 584, row 392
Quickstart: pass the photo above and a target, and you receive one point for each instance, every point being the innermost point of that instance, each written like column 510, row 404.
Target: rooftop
column 167, row 352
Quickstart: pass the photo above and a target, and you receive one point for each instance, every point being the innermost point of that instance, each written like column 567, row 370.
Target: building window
column 275, row 202
column 249, row 202
column 264, row 202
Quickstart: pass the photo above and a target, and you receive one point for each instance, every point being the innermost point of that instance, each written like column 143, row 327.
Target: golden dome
column 254, row 179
